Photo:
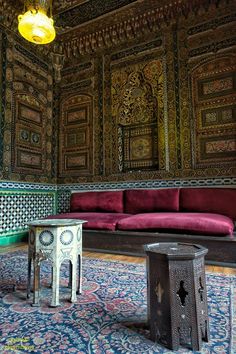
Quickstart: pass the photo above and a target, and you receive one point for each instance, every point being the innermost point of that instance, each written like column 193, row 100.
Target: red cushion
column 194, row 223
column 99, row 221
column 209, row 200
column 148, row 200
column 110, row 201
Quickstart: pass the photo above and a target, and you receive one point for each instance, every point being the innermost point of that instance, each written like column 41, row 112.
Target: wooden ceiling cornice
column 141, row 17
column 84, row 26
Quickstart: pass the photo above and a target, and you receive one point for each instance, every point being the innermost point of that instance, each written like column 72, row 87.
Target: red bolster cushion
column 209, row 200
column 107, row 201
column 148, row 200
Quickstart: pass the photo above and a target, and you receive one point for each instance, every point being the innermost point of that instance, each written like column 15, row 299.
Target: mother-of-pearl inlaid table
column 56, row 240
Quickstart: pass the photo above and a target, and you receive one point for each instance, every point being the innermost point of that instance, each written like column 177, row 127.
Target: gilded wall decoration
column 28, row 154
column 137, row 108
column 84, row 79
column 76, row 136
column 2, row 96
column 156, row 110
column 131, row 22
column 214, row 92
column 28, row 116
column 137, row 105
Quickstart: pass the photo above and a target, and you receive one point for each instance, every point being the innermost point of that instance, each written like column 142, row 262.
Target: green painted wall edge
column 14, row 238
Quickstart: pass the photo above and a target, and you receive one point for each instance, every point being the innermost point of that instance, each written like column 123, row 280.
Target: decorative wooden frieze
column 132, row 28
column 211, row 24
column 109, row 37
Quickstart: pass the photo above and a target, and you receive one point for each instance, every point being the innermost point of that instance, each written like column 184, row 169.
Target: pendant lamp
column 34, row 24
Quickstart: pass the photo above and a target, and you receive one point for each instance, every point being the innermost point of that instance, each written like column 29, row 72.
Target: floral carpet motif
column 102, row 320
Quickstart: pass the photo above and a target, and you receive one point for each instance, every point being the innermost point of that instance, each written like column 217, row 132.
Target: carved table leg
column 55, row 284
column 36, row 282
column 70, row 275
column 29, row 276
column 79, row 290
column 74, row 280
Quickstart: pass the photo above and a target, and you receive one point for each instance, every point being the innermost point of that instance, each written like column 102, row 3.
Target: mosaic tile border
column 5, row 185
column 227, row 181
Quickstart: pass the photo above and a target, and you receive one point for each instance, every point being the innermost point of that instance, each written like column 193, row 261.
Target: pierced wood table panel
column 55, row 240
column 177, row 295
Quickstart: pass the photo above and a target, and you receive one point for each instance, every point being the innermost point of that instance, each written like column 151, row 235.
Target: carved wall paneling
column 76, row 73
column 213, row 32
column 178, row 118
column 183, row 108
column 27, row 152
column 112, row 36
column 206, row 42
column 86, row 78
column 214, row 92
column 137, row 97
column 146, row 17
column 109, row 126
column 181, row 38
column 76, row 136
column 170, row 136
column 28, row 155
column 7, row 108
column 2, row 96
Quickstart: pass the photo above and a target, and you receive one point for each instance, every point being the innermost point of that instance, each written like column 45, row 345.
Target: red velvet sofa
column 123, row 221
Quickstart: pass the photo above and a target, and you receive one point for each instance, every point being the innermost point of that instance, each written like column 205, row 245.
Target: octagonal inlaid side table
column 55, row 240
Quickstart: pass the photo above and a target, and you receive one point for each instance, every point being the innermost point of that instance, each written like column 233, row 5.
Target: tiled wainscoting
column 20, row 203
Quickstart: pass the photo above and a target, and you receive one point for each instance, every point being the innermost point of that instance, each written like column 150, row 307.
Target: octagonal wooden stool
column 177, row 296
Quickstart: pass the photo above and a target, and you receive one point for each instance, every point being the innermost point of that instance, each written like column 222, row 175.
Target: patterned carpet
column 114, row 297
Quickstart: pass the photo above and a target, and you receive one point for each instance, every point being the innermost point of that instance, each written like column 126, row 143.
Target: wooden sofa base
column 221, row 250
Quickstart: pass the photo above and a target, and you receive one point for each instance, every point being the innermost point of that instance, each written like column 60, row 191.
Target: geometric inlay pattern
column 18, row 208
column 46, row 238
column 66, row 237
column 63, row 201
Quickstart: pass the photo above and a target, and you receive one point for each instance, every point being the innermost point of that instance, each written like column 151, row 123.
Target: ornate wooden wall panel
column 2, row 96
column 210, row 61
column 153, row 123
column 79, row 152
column 28, row 119
column 143, row 139
column 188, row 134
column 76, row 136
column 214, row 92
column 137, row 110
column 27, row 154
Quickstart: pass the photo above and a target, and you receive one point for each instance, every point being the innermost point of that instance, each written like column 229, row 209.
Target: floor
column 121, row 258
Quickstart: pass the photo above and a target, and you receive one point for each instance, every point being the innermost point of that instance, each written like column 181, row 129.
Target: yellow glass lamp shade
column 36, row 27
